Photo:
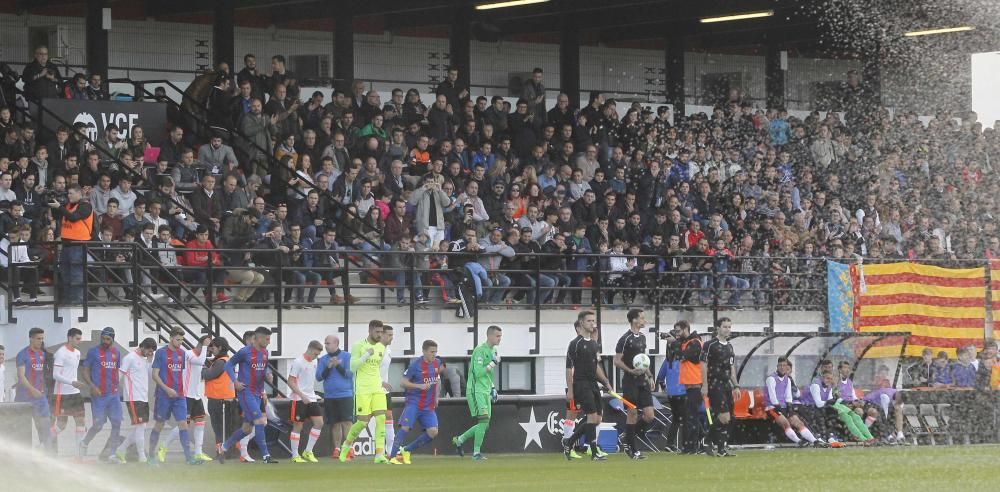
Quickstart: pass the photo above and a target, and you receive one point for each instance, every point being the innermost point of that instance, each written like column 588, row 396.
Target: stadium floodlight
column 510, row 3
column 736, row 17
column 942, row 30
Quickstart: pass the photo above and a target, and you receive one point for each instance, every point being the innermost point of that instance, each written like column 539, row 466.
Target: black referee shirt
column 582, row 358
column 720, row 358
column 630, row 345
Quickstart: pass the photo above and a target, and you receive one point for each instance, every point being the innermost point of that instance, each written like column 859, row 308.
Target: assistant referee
column 582, row 375
column 718, row 375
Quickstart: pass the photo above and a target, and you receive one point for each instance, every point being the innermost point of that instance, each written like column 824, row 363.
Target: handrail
column 235, row 132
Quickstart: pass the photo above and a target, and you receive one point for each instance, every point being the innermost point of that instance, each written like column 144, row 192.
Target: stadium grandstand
column 305, row 230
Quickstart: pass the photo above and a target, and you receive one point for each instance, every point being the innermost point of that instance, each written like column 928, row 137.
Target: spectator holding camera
column 76, row 225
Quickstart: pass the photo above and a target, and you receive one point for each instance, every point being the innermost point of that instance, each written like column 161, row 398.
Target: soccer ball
column 640, row 361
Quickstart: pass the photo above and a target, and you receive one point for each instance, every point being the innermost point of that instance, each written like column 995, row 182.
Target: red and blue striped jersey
column 103, row 366
column 249, row 366
column 33, row 363
column 170, row 364
column 420, row 371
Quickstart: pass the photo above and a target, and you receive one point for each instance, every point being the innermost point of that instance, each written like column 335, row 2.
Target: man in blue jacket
column 334, row 370
column 668, row 379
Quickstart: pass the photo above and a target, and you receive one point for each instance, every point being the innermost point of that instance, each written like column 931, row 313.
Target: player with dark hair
column 171, row 402
column 480, row 392
column 778, row 398
column 101, row 374
column 31, row 384
column 135, row 372
column 583, row 373
column 636, row 382
column 421, row 381
column 253, row 372
column 305, row 403
column 572, row 413
column 194, row 364
column 369, row 397
column 68, row 400
column 718, row 380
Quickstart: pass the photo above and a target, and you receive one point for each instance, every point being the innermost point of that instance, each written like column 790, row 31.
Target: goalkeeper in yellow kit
column 369, row 398
column 480, row 392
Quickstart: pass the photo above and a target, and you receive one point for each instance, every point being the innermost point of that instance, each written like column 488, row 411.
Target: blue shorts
column 166, row 408
column 106, row 407
column 250, row 406
column 411, row 415
column 39, row 406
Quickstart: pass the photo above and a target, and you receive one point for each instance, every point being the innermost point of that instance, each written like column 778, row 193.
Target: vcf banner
column 97, row 115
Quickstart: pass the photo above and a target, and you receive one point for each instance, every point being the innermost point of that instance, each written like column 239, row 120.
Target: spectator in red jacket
column 199, row 256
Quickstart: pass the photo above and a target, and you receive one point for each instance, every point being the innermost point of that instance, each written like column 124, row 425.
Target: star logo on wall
column 532, row 429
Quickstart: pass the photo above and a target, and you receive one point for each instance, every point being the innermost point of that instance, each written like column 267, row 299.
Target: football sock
column 113, row 439
column 390, row 432
column 592, row 436
column 723, row 437
column 245, row 444
column 380, row 434
column 185, row 439
column 467, row 434
column 422, row 439
column 237, row 435
column 355, row 431
column 791, row 435
column 293, row 443
column 314, row 434
column 261, row 439
column 400, row 438
column 630, row 436
column 139, row 438
column 154, row 438
column 172, row 436
column 580, row 429
column 80, row 433
column 199, row 437
column 479, row 435
column 807, row 434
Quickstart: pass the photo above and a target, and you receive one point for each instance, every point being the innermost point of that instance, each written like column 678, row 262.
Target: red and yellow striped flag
column 995, row 292
column 941, row 308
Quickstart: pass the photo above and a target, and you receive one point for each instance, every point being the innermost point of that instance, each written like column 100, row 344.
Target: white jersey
column 384, row 368
column 136, row 371
column 194, row 386
column 304, row 372
column 65, row 366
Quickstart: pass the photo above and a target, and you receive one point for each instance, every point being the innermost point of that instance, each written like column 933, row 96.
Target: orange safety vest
column 80, row 230
column 690, row 371
column 995, row 376
column 220, row 388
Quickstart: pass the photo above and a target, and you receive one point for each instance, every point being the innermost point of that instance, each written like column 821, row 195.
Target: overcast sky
column 986, row 87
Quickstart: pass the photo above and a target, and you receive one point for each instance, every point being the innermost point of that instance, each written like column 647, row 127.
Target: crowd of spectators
column 720, row 208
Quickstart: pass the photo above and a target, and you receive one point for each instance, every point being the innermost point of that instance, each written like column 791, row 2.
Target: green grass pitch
column 897, row 468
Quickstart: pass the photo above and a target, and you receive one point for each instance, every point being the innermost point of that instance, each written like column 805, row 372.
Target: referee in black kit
column 718, row 376
column 635, row 382
column 582, row 375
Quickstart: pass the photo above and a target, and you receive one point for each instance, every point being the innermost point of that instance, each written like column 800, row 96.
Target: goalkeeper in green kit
column 480, row 392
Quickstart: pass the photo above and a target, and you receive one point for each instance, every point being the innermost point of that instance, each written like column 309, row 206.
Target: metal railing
column 128, row 274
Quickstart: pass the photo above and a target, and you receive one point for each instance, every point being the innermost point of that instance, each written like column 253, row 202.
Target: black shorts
column 720, row 399
column 636, row 390
column 196, row 408
column 339, row 409
column 138, row 411
column 300, row 412
column 587, row 398
column 69, row 406
column 775, row 412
